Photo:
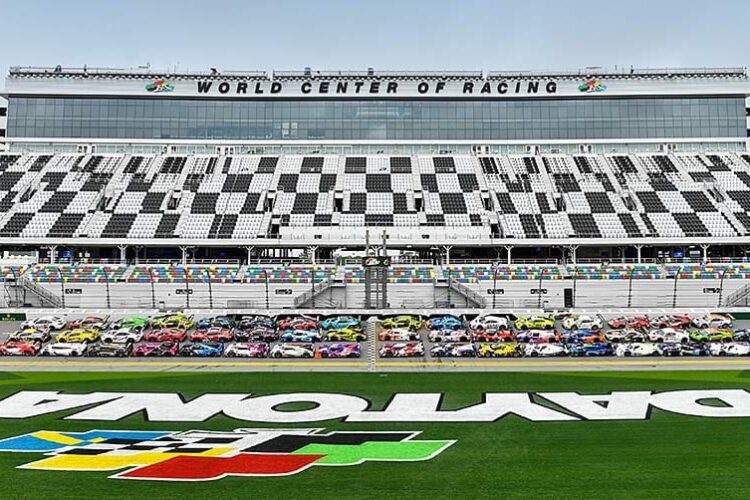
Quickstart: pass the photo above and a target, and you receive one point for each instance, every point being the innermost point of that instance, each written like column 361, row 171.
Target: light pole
column 721, row 285
column 153, row 291
column 106, row 282
column 62, row 286
column 630, row 287
column 539, row 290
column 494, row 284
column 674, row 290
column 313, row 286
column 210, row 290
column 187, row 287
column 265, row 279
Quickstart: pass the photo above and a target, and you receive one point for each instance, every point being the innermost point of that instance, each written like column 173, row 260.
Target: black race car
column 110, row 350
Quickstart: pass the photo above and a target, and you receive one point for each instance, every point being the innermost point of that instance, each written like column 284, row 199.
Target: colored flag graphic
column 207, row 455
column 160, row 86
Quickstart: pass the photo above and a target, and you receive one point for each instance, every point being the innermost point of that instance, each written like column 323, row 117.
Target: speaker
column 568, row 298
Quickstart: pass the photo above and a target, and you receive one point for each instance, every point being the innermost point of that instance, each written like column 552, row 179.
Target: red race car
column 671, row 321
column 213, row 334
column 298, row 323
column 629, row 322
column 166, row 335
column 490, row 335
column 19, row 348
column 402, row 350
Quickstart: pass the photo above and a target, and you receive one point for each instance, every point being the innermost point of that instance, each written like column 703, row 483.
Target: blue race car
column 339, row 323
column 220, row 321
column 203, row 349
column 679, row 349
column 446, row 322
column 590, row 350
column 300, row 336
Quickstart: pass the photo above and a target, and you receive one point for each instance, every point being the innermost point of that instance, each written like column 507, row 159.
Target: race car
column 251, row 322
column 296, row 323
column 212, row 334
column 625, row 335
column 300, row 336
column 713, row 321
column 286, row 350
column 122, row 336
column 398, row 334
column 256, row 334
column 45, row 323
column 113, row 350
column 215, row 321
column 584, row 336
column 137, row 323
column 177, row 320
column 347, row 334
column 402, row 322
column 503, row 350
column 712, row 335
column 586, row 349
column 453, row 351
column 449, row 336
column 490, row 322
column 78, row 335
column 660, row 335
column 446, row 322
column 483, row 335
column 582, row 322
column 636, row 349
column 538, row 336
column 166, row 335
column 340, row 323
column 741, row 335
column 30, row 334
column 671, row 321
column 202, row 349
column 89, row 323
column 20, row 348
column 729, row 349
column 148, row 349
column 677, row 349
column 64, row 349
column 629, row 322
column 339, row 350
column 246, row 350
column 544, row 350
column 402, row 350
column 537, row 322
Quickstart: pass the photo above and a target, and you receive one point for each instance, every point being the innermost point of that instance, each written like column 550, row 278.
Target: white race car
column 490, row 323
column 122, row 336
column 625, row 335
column 729, row 349
column 668, row 335
column 713, row 321
column 449, row 336
column 45, row 323
column 636, row 349
column 582, row 322
column 64, row 349
column 246, row 350
column 398, row 334
column 538, row 336
column 402, row 350
column 287, row 350
column 544, row 350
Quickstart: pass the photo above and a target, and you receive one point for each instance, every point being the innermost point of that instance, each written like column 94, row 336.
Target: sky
column 383, row 34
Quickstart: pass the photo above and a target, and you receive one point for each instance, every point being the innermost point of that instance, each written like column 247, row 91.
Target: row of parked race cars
column 177, row 334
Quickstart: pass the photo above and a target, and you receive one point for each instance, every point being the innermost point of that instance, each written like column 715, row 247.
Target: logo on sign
column 160, row 86
column 182, row 291
column 592, row 86
column 538, row 291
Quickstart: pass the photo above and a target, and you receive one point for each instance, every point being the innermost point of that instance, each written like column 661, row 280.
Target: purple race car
column 156, row 349
column 247, row 350
column 339, row 350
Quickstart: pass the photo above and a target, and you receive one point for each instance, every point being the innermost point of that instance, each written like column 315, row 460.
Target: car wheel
column 534, row 354
column 277, row 355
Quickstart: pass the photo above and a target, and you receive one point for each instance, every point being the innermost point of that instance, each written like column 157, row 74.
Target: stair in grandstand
column 126, row 275
column 311, row 297
column 740, row 297
column 45, row 298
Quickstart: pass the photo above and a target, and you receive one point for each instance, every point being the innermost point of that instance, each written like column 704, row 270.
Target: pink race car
column 157, row 349
column 247, row 350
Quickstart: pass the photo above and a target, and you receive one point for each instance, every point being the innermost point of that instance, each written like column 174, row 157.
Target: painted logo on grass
column 592, row 86
column 160, row 86
column 208, row 455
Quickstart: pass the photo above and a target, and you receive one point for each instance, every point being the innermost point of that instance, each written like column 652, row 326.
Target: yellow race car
column 537, row 322
column 501, row 350
column 176, row 320
column 404, row 321
column 78, row 335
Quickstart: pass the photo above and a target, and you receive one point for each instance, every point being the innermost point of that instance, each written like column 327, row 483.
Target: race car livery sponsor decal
column 209, row 455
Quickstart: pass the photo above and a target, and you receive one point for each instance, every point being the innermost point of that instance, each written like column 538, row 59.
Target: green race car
column 712, row 335
column 538, row 322
column 403, row 321
column 347, row 335
column 131, row 323
column 178, row 320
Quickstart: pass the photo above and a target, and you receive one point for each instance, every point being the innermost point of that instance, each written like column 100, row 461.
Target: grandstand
column 137, row 180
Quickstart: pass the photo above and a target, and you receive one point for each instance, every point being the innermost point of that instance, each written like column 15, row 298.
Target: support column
column 705, row 253
column 184, row 251
column 52, row 253
column 638, row 249
column 249, row 252
column 447, row 249
column 313, row 250
column 137, row 249
column 573, row 250
column 509, row 250
column 123, row 253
